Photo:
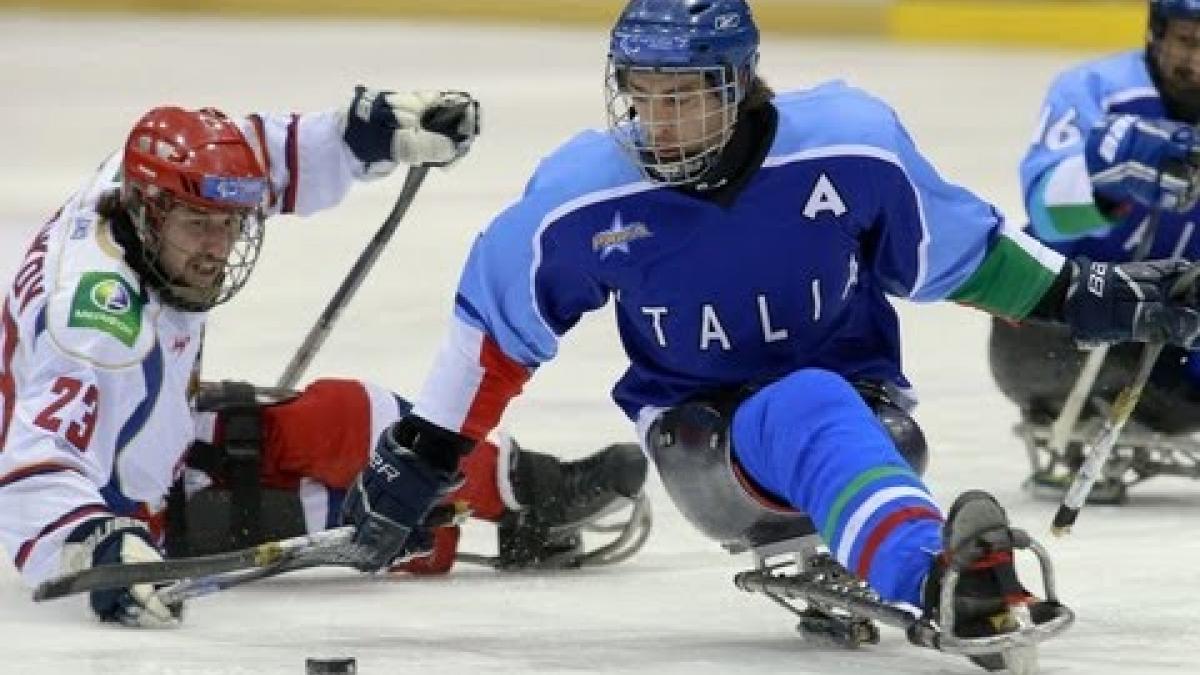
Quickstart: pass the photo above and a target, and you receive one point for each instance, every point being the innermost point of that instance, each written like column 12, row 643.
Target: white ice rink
column 70, row 88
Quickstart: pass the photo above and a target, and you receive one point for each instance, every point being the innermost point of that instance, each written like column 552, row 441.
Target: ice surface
column 69, row 90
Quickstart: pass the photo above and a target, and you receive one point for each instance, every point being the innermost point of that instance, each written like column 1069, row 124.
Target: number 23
column 67, row 389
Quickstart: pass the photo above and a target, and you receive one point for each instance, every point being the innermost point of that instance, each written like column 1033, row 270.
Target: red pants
column 324, row 434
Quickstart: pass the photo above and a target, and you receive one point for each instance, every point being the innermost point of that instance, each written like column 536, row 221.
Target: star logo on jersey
column 618, row 237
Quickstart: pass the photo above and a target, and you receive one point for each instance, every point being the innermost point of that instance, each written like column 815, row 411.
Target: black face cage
column 673, row 138
column 1174, row 60
column 148, row 212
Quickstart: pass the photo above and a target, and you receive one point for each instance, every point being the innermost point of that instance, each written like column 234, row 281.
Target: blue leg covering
column 811, row 440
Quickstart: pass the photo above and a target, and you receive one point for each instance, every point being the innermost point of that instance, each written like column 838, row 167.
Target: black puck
column 330, row 667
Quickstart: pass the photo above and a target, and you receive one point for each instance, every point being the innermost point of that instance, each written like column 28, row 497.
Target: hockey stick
column 354, row 278
column 1102, row 445
column 202, row 575
column 1064, row 424
column 630, row 540
column 330, row 547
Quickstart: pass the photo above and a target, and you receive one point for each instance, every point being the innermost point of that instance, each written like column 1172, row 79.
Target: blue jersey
column 1054, row 179
column 794, row 273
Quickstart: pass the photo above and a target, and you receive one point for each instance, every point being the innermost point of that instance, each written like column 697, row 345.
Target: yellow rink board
column 1084, row 24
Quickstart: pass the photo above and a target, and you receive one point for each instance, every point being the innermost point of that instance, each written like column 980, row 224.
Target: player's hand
column 391, row 499
column 108, row 541
column 1150, row 161
column 384, row 128
column 1131, row 302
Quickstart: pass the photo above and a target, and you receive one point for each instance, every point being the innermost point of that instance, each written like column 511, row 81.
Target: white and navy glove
column 1152, row 162
column 1131, row 302
column 385, row 128
column 110, row 541
column 412, row 467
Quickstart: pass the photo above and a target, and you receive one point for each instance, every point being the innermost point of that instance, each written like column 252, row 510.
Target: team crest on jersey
column 618, row 237
column 106, row 302
column 81, row 226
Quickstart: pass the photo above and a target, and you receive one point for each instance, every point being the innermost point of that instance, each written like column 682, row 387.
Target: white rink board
column 1132, row 573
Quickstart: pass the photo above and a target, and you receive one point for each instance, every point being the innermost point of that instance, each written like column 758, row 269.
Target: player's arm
column 1059, row 196
column 939, row 241
column 59, row 443
column 1086, row 169
column 514, row 302
column 314, row 158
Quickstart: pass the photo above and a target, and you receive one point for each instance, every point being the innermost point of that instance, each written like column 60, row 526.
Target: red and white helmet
column 197, row 159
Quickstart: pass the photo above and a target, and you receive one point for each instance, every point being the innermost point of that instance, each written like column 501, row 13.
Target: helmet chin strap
column 684, row 172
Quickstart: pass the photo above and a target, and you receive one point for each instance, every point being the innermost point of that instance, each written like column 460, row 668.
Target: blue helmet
column 1162, row 11
column 1174, row 9
column 686, row 33
column 710, row 47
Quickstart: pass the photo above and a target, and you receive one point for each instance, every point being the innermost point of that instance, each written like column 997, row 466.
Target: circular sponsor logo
column 110, row 295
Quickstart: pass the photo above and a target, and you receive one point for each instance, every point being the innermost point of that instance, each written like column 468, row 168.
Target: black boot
column 988, row 595
column 559, row 498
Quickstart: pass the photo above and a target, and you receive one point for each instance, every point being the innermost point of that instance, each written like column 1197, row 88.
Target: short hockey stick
column 628, row 542
column 314, row 549
column 1064, row 424
column 354, row 278
column 1102, row 445
column 201, row 575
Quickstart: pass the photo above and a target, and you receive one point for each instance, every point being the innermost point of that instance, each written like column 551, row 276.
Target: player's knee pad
column 901, row 426
column 690, row 445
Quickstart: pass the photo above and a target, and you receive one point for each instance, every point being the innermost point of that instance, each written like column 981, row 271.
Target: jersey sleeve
column 936, row 240
column 57, row 436
column 517, row 296
column 75, row 343
column 1054, row 179
column 309, row 165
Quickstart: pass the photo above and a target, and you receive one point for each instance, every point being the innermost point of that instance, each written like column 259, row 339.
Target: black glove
column 412, row 467
column 1131, row 302
column 109, row 541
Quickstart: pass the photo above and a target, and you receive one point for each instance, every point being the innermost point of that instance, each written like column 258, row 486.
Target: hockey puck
column 330, row 667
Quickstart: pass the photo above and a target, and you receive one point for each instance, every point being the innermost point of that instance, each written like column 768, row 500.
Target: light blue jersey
column 780, row 288
column 1054, row 178
column 852, row 212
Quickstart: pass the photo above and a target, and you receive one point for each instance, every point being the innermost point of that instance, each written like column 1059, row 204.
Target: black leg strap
column 242, row 424
column 237, row 460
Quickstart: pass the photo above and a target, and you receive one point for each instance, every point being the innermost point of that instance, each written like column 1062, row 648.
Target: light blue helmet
column 1171, row 60
column 714, row 38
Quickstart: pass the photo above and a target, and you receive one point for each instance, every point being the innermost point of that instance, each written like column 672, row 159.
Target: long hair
column 758, row 94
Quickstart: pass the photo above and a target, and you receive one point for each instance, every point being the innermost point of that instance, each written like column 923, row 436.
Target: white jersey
column 95, row 370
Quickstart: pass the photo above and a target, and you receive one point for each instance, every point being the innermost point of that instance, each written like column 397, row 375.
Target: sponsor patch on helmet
column 239, row 191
